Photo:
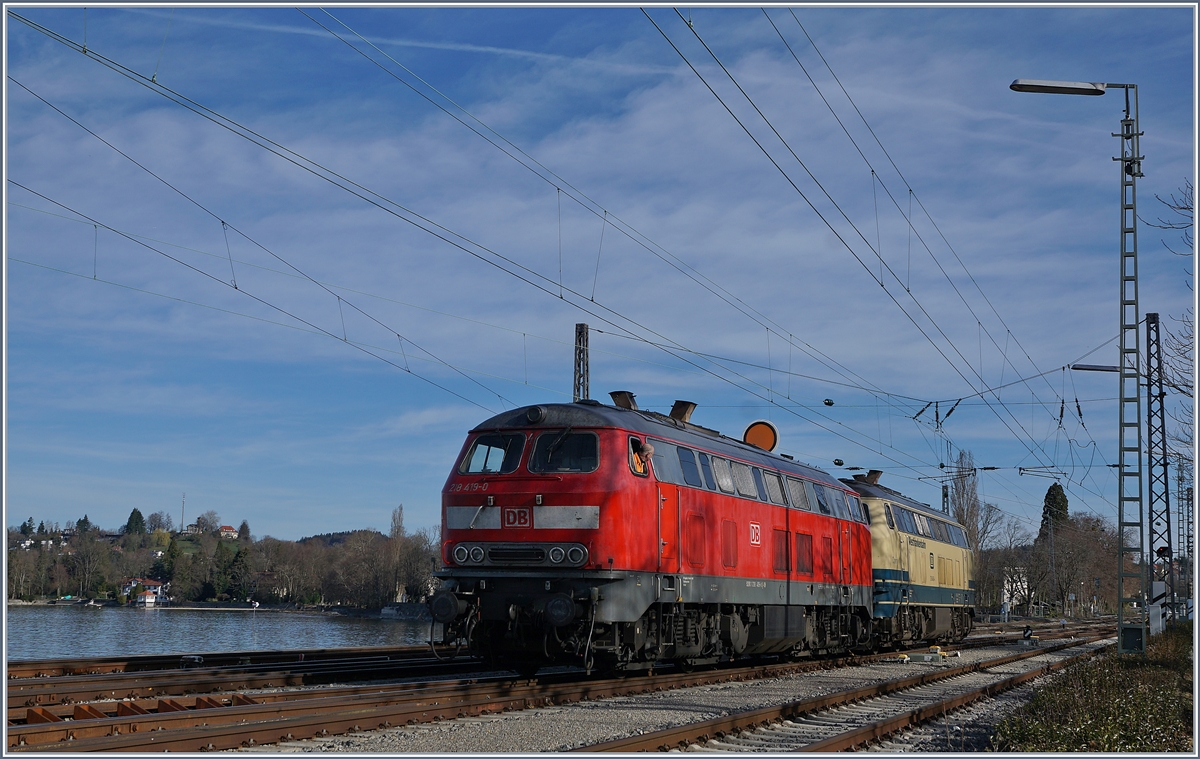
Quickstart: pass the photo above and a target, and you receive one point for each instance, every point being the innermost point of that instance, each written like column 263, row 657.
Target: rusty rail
column 205, row 722
column 677, row 737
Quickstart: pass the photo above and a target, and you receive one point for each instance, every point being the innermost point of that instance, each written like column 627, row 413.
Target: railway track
column 132, row 710
column 855, row 717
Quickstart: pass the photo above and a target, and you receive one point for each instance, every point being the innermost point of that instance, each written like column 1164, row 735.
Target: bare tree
column 1179, row 344
column 159, row 520
column 209, row 521
column 980, row 520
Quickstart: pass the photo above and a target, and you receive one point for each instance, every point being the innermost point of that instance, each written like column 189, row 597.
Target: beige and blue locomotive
column 921, row 565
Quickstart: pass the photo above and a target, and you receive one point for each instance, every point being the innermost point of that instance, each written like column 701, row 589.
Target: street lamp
column 1132, row 633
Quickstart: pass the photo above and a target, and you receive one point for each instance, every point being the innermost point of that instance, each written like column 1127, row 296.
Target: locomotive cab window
column 887, row 512
column 666, row 462
column 638, row 456
column 565, row 451
column 493, row 454
column 838, row 503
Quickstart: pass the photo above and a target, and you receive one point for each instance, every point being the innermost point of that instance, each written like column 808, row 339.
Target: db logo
column 518, row 518
column 755, row 534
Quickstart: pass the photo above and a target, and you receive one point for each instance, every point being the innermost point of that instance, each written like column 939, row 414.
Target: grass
column 1112, row 703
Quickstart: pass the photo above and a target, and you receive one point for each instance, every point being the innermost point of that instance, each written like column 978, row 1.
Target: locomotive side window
column 799, row 496
column 723, row 475
column 804, row 556
column 779, row 541
column 565, row 451
column 706, row 467
column 687, row 463
column 744, row 479
column 774, row 488
column 728, row 542
column 758, row 484
column 821, row 498
column 887, row 512
column 907, row 523
column 492, row 454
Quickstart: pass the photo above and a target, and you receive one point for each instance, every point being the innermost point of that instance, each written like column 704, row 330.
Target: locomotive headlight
column 477, row 554
column 461, row 554
column 577, row 554
column 557, row 554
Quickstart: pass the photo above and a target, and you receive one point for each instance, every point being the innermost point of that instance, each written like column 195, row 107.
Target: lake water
column 60, row 632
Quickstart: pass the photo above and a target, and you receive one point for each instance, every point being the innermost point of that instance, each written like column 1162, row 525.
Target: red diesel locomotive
column 614, row 537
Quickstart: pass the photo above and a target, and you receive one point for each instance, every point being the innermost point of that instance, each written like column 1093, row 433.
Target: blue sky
column 137, row 373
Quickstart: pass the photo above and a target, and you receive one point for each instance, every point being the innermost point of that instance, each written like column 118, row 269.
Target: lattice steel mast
column 581, row 363
column 1158, row 502
column 1132, row 561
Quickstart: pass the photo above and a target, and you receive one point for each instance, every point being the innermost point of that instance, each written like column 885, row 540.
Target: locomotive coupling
column 446, row 607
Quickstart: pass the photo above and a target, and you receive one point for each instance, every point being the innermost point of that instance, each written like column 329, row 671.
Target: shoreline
column 405, row 611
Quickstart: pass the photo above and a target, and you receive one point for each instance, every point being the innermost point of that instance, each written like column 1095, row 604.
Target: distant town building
column 146, row 598
column 156, row 587
column 191, row 529
column 228, row 532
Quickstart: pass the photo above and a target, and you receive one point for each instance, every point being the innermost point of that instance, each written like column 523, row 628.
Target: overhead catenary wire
column 841, row 239
column 437, row 230
column 225, row 225
column 549, row 176
column 911, row 193
column 768, row 329
column 253, row 297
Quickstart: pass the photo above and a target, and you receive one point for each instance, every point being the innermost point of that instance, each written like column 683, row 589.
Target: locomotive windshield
column 565, row 451
column 493, row 454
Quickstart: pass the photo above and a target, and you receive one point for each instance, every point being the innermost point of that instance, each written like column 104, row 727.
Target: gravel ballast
column 565, row 727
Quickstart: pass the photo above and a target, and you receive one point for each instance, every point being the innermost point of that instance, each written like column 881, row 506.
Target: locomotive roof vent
column 682, row 410
column 624, row 399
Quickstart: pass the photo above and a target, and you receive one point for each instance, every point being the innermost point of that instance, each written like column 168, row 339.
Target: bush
column 1113, row 703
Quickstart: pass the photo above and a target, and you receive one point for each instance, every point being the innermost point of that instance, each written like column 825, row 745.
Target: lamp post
column 1131, row 629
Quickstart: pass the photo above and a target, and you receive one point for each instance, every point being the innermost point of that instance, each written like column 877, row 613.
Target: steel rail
column 425, row 701
column 79, row 688
column 681, row 736
column 23, row 668
column 886, row 727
